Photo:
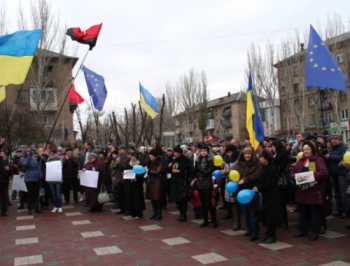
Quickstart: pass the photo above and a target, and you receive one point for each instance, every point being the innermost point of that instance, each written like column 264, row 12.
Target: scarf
column 134, row 163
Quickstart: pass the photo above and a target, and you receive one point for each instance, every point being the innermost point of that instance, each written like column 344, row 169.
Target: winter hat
column 231, row 148
column 205, row 147
column 154, row 152
column 178, row 150
column 91, row 155
column 312, row 144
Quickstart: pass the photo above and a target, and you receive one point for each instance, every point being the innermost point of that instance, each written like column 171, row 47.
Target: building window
column 328, row 116
column 312, row 118
column 46, row 95
column 284, row 106
column 296, row 88
column 296, row 103
column 295, row 71
column 48, row 71
column 344, row 114
column 310, row 101
column 285, row 122
column 264, row 115
column 283, row 74
column 343, row 96
column 23, row 96
column 283, row 91
column 339, row 58
column 297, row 121
column 47, row 119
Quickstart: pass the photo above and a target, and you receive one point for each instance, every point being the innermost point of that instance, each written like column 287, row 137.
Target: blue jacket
column 336, row 154
column 31, row 168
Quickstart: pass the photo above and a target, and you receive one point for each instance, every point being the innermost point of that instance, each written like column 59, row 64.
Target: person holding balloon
column 310, row 197
column 248, row 167
column 203, row 171
column 266, row 184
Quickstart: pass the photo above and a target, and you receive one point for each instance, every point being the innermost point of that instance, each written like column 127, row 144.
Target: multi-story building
column 225, row 120
column 44, row 91
column 313, row 110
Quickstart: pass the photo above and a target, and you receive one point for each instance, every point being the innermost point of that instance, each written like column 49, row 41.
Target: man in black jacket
column 70, row 177
column 4, row 182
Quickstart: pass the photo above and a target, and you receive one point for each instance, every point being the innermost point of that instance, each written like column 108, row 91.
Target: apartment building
column 312, row 110
column 44, row 92
column 225, row 120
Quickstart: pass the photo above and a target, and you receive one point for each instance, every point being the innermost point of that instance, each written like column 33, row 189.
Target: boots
column 236, row 217
column 159, row 212
column 154, row 208
column 36, row 205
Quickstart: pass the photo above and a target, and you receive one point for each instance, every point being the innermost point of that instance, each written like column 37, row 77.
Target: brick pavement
column 77, row 237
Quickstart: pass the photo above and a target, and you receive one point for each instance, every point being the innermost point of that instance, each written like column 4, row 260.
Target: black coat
column 267, row 185
column 134, row 197
column 179, row 179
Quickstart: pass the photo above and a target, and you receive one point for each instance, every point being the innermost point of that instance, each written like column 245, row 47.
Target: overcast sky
column 157, row 41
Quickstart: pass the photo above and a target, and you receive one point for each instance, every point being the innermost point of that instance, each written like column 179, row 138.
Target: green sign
column 344, row 126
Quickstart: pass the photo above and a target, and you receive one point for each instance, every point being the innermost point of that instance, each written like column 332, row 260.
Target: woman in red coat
column 310, row 196
column 91, row 194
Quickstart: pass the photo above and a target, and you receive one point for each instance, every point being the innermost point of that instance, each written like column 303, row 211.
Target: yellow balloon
column 234, row 175
column 218, row 160
column 346, row 157
column 300, row 155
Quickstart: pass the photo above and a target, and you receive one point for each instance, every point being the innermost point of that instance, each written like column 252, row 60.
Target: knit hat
column 312, row 144
column 134, row 154
column 178, row 150
column 231, row 148
column 91, row 155
column 154, row 152
column 205, row 147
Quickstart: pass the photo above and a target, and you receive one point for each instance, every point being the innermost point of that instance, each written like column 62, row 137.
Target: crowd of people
column 184, row 174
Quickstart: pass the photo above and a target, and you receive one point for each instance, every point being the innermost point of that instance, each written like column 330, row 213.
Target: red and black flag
column 74, row 99
column 88, row 37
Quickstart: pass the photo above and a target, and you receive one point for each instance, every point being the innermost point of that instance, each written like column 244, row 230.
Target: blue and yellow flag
column 16, row 55
column 2, row 93
column 253, row 121
column 149, row 102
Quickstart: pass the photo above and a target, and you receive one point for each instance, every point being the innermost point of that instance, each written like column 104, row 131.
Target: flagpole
column 64, row 101
column 96, row 122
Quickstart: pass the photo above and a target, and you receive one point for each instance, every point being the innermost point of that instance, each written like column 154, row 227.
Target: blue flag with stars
column 321, row 70
column 96, row 87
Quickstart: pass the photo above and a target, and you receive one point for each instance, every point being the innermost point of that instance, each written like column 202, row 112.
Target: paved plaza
column 78, row 237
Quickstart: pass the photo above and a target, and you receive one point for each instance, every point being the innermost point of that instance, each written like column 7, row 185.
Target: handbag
column 103, row 196
column 186, row 192
column 282, row 181
column 257, row 203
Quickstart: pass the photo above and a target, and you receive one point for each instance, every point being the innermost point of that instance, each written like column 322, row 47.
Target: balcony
column 325, row 106
column 226, row 124
column 226, row 113
column 210, row 115
column 178, row 131
column 227, row 135
column 210, row 124
column 325, row 123
column 189, row 128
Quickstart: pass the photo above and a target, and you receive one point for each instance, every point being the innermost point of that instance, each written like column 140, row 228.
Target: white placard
column 54, row 171
column 168, row 175
column 129, row 174
column 304, row 177
column 18, row 183
column 88, row 178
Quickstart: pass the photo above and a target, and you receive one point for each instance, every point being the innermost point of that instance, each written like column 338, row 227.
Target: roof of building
column 52, row 54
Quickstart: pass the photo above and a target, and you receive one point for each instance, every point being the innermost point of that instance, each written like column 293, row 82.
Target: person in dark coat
column 266, row 184
column 179, row 181
column 134, row 198
column 203, row 170
column 5, row 174
column 281, row 162
column 91, row 194
column 310, row 197
column 154, row 187
column 70, row 175
column 167, row 181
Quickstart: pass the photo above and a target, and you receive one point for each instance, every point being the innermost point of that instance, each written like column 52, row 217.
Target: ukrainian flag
column 16, row 55
column 149, row 102
column 253, row 122
column 2, row 93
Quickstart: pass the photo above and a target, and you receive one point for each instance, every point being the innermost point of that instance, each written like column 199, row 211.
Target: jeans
column 309, row 216
column 251, row 219
column 56, row 194
column 340, row 185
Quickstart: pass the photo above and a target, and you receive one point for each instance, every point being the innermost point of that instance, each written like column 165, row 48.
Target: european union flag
column 96, row 87
column 321, row 70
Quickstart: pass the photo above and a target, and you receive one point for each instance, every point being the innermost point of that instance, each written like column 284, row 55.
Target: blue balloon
column 245, row 196
column 139, row 169
column 217, row 174
column 231, row 187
